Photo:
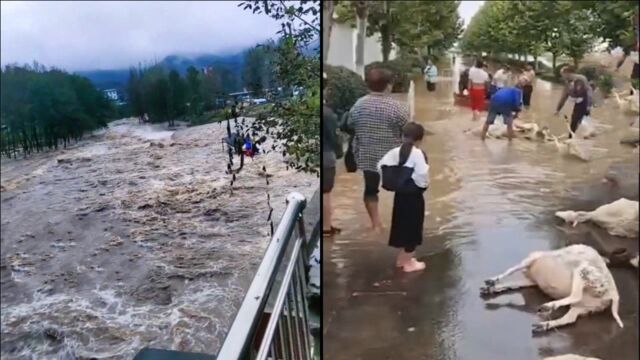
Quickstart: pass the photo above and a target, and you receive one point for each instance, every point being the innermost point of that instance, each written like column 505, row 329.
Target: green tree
column 195, row 100
column 294, row 122
column 411, row 25
column 254, row 65
column 178, row 96
column 44, row 108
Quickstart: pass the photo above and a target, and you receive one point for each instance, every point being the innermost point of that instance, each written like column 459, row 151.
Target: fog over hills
column 234, row 63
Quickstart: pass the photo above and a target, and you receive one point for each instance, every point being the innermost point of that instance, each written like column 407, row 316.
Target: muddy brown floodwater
column 132, row 238
column 488, row 205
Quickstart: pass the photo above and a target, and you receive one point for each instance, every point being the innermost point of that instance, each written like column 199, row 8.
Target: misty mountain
column 233, row 63
column 117, row 79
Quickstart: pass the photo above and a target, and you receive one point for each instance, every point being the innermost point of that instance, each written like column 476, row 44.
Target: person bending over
column 504, row 102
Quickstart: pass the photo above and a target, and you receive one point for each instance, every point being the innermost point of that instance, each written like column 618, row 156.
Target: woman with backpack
column 405, row 171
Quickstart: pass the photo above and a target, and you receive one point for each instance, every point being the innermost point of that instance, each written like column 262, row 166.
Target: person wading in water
column 405, row 171
column 377, row 120
column 477, row 87
column 575, row 85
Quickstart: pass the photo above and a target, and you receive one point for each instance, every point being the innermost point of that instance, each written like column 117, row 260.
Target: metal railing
column 281, row 332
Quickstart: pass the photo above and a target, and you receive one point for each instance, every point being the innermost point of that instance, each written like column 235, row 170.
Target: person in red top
column 477, row 88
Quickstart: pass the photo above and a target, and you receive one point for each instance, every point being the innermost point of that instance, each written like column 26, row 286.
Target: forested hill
column 230, row 65
column 105, row 79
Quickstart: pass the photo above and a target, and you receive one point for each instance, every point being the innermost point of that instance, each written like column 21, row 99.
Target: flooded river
column 489, row 205
column 133, row 238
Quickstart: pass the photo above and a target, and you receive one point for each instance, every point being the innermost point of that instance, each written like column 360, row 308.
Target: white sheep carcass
column 619, row 218
column 574, row 276
column 570, row 357
column 497, row 130
column 629, row 103
column 586, row 129
column 572, row 147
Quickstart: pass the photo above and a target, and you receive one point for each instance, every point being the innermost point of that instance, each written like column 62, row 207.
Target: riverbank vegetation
column 43, row 109
column 294, row 121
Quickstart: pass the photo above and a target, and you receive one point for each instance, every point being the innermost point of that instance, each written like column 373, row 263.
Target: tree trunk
column 361, row 16
column 535, row 62
column 553, row 62
column 575, row 62
column 385, row 35
column 327, row 15
column 385, row 38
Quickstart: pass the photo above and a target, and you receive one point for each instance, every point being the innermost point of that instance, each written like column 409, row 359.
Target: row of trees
column 45, row 108
column 568, row 28
column 166, row 95
column 416, row 27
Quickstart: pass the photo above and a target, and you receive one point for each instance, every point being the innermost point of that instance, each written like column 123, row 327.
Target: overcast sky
column 467, row 9
column 79, row 35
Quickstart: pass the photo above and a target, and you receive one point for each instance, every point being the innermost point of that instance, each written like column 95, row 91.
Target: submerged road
column 488, row 206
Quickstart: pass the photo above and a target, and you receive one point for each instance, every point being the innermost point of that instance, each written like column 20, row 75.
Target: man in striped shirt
column 377, row 120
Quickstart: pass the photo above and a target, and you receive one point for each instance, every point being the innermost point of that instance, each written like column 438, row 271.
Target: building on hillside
column 342, row 48
column 241, row 95
column 112, row 94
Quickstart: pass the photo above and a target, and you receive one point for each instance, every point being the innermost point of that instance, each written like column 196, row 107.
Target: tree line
column 415, row 27
column 568, row 28
column 43, row 109
column 165, row 95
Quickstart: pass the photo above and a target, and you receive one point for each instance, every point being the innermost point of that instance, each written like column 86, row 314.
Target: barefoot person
column 405, row 171
column 504, row 102
column 377, row 120
column 477, row 87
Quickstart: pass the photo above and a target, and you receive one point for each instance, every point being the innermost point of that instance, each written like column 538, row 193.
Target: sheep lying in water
column 570, row 357
column 629, row 103
column 574, row 276
column 572, row 147
column 620, row 218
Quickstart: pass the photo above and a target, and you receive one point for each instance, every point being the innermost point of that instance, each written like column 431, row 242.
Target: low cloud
column 78, row 35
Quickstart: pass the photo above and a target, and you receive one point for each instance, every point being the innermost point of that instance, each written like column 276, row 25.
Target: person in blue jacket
column 505, row 101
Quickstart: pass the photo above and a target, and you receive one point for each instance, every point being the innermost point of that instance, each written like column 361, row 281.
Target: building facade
column 342, row 48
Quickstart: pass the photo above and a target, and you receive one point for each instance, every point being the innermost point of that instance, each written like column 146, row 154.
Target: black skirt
column 407, row 221
column 431, row 86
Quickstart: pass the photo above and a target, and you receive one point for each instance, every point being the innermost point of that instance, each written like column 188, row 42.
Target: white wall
column 342, row 49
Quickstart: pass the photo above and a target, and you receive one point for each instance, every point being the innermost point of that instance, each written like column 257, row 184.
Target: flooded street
column 488, row 205
column 133, row 238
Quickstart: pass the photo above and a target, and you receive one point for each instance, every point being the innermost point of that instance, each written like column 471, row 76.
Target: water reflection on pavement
column 488, row 206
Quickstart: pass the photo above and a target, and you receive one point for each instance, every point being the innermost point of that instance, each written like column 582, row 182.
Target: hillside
column 117, row 78
column 231, row 65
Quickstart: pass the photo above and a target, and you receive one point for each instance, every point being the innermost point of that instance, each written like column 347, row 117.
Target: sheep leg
column 577, row 288
column 569, row 318
column 514, row 285
column 523, row 265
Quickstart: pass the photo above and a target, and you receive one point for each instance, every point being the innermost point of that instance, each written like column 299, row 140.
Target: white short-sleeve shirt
column 478, row 76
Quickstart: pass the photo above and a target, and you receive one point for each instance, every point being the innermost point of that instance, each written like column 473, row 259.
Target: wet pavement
column 132, row 238
column 488, row 205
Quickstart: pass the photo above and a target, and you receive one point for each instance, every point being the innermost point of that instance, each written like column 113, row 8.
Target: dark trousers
column 526, row 95
column 579, row 111
column 431, row 86
column 371, row 185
